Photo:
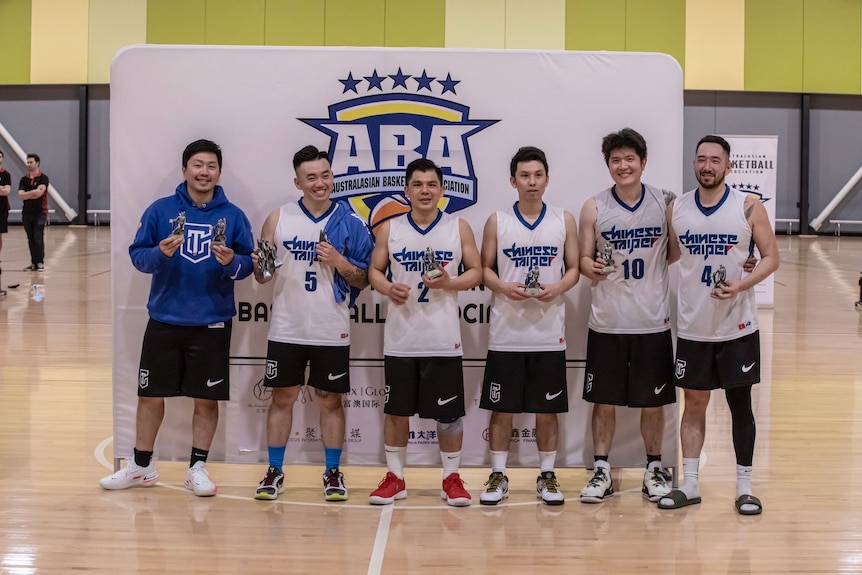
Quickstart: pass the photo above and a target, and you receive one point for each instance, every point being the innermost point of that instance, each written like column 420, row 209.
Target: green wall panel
column 235, row 23
column 832, row 40
column 773, row 45
column 656, row 26
column 294, row 22
column 355, row 22
column 176, row 21
column 592, row 25
column 415, row 23
column 15, row 41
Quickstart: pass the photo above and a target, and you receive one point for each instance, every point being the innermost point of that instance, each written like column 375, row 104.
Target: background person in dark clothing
column 33, row 189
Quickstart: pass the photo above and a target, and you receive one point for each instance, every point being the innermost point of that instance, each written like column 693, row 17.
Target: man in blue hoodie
column 326, row 248
column 186, row 348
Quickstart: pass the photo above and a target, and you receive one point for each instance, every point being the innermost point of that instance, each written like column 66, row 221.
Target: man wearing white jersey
column 526, row 367
column 629, row 345
column 310, row 323
column 712, row 231
column 422, row 351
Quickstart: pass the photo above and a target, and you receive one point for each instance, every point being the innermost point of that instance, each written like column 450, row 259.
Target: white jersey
column 634, row 298
column 304, row 310
column 529, row 325
column 428, row 323
column 709, row 238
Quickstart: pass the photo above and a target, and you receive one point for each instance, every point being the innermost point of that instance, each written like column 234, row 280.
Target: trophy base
column 433, row 274
column 717, row 292
column 218, row 242
column 607, row 269
column 532, row 291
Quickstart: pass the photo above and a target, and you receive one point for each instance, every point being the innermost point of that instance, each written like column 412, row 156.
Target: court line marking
column 375, row 565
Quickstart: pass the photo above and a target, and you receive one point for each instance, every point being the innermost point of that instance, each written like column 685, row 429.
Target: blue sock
column 276, row 456
column 333, row 457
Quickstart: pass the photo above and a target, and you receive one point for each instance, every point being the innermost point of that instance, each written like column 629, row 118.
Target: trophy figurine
column 607, row 254
column 179, row 225
column 531, row 283
column 323, row 237
column 719, row 280
column 218, row 232
column 267, row 262
column 433, row 269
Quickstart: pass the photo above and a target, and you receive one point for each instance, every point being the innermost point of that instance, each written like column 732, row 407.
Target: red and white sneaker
column 388, row 490
column 454, row 493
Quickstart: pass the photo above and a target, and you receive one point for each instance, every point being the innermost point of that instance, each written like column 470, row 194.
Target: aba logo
column 199, row 238
column 392, row 120
column 752, row 189
column 708, row 244
column 631, row 239
column 262, row 392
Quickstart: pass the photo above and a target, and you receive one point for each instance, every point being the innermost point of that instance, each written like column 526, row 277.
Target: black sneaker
column 40, row 267
column 333, row 486
column 271, row 485
column 30, row 268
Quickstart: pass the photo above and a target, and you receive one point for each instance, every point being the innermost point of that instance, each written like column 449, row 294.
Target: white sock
column 451, row 462
column 689, row 475
column 743, row 480
column 396, row 457
column 498, row 461
column 547, row 460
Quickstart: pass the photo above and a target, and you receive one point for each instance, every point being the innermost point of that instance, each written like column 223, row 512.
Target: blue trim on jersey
column 535, row 224
column 311, row 217
column 429, row 228
column 625, row 205
column 709, row 211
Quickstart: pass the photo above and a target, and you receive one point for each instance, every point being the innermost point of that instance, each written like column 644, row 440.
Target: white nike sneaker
column 198, row 480
column 131, row 476
column 600, row 486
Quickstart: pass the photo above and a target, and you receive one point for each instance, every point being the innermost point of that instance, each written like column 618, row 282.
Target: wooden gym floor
column 55, row 428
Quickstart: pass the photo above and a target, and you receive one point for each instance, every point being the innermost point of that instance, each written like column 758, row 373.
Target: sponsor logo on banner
column 748, row 188
column 310, row 435
column 422, row 437
column 261, row 392
column 527, row 435
column 381, row 123
column 199, row 238
column 364, row 397
column 353, row 435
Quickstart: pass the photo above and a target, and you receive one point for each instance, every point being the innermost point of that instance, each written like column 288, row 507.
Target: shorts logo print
column 494, row 393
column 143, row 378
column 271, row 369
column 589, row 382
column 680, row 368
column 747, row 368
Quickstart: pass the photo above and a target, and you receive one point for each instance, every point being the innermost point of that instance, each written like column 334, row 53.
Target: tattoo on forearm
column 356, row 277
column 321, row 393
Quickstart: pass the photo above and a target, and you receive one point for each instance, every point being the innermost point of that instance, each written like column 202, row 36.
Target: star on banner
column 350, row 84
column 399, row 79
column 448, row 84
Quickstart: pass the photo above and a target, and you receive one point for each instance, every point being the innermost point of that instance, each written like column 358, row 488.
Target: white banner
column 755, row 163
column 375, row 110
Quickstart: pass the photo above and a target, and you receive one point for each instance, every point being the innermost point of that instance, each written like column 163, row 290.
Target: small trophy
column 218, row 232
column 179, row 225
column 433, row 269
column 267, row 262
column 607, row 254
column 719, row 280
column 531, row 284
column 323, row 237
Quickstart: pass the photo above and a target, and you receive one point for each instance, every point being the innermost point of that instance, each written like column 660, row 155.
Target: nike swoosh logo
column 549, row 397
column 441, row 401
column 747, row 368
column 212, row 383
column 658, row 389
column 331, row 377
